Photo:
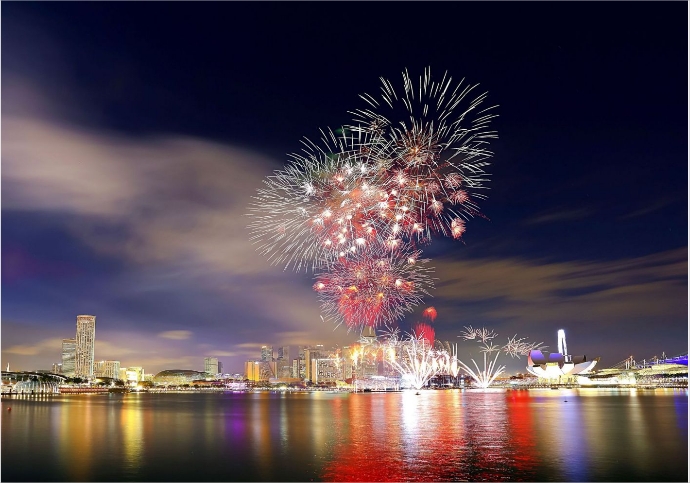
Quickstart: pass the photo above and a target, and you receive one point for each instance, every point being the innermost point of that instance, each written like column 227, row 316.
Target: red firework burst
column 430, row 313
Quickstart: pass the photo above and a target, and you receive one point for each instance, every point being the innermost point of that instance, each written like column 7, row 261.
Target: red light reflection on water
column 434, row 436
column 521, row 431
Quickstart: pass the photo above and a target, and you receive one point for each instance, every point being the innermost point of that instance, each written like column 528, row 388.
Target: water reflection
column 132, row 431
column 439, row 436
column 577, row 435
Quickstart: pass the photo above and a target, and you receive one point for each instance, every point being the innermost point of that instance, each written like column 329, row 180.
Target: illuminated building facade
column 347, row 362
column 325, row 370
column 211, row 365
column 86, row 338
column 283, row 363
column 309, row 355
column 176, row 377
column 132, row 375
column 266, row 353
column 107, row 369
column 69, row 354
column 284, row 353
column 252, row 371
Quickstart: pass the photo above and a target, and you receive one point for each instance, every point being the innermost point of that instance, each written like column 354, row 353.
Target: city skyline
column 129, row 165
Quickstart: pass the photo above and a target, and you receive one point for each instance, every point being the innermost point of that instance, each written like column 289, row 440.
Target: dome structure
column 177, row 377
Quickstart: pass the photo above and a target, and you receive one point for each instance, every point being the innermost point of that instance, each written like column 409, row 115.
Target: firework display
column 514, row 347
column 356, row 207
column 369, row 288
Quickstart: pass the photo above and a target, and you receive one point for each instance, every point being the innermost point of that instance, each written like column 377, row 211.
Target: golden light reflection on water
column 132, row 430
column 77, row 438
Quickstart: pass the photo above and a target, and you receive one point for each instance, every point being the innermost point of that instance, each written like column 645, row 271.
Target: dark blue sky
column 134, row 135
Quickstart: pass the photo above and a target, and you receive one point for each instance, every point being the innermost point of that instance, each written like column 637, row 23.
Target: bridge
column 631, row 363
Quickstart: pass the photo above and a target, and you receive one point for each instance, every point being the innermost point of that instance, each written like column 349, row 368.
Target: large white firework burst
column 319, row 207
column 434, row 136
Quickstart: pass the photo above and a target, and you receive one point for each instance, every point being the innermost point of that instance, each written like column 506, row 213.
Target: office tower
column 252, row 371
column 325, row 370
column 107, row 369
column 311, row 353
column 86, row 338
column 266, row 353
column 211, row 365
column 220, row 367
column 69, row 354
column 284, row 365
column 57, row 368
column 284, row 353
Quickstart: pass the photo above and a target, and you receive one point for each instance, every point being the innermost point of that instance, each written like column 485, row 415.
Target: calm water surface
column 537, row 435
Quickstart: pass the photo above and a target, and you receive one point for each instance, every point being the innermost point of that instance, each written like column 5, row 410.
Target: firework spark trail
column 413, row 357
column 411, row 165
column 514, row 347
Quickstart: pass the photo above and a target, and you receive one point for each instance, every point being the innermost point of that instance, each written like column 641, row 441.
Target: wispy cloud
column 651, row 208
column 173, row 209
column 34, row 349
column 536, row 293
column 175, row 334
column 558, row 216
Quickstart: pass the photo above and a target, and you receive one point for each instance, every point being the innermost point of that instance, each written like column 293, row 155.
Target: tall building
column 211, row 365
column 284, row 365
column 252, row 371
column 325, row 370
column 284, row 353
column 57, row 368
column 220, row 367
column 69, row 354
column 107, row 369
column 86, row 338
column 267, row 353
column 311, row 353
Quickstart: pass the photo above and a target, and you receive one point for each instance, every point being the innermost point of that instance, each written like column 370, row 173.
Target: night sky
column 134, row 135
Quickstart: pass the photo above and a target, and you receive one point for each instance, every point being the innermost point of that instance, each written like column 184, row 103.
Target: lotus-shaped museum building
column 552, row 365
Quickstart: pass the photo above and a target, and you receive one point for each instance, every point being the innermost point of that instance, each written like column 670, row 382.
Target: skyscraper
column 69, row 354
column 284, row 353
column 267, row 353
column 211, row 365
column 283, row 363
column 86, row 338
